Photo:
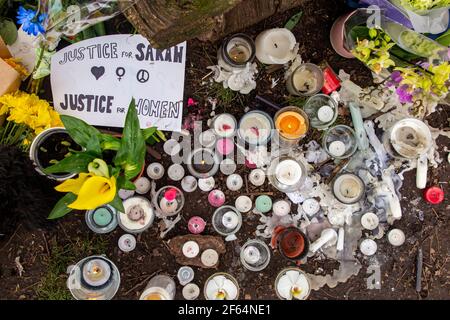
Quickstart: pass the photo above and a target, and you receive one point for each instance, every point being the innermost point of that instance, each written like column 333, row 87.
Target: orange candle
column 291, row 124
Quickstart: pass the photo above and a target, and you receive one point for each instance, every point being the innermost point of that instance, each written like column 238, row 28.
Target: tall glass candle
column 226, row 220
column 160, row 287
column 236, row 51
column 292, row 125
column 255, row 255
column 340, row 142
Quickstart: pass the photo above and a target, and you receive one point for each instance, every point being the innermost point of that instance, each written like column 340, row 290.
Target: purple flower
column 396, row 76
column 403, row 94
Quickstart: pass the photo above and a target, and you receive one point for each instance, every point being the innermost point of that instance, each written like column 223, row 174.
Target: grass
column 226, row 97
column 53, row 284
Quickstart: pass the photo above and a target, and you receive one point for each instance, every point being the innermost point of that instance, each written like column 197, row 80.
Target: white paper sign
column 95, row 80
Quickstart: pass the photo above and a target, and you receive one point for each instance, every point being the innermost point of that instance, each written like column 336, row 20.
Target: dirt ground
column 45, row 254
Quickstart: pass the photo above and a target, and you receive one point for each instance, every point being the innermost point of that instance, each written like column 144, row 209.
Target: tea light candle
column 155, row 171
column 216, row 198
column 207, row 138
column 196, row 225
column 127, row 243
column 234, row 182
column 251, row 254
column 125, row 194
column 102, row 219
column 230, row 220
column 255, row 128
column 348, row 188
column 325, row 114
column 281, row 208
column 370, row 221
column 221, row 287
column 191, row 291
column 203, row 163
column 275, row 46
column 190, row 249
column 337, row 148
column 224, row 125
column 288, row 172
column 311, row 206
column 263, row 204
column 243, row 204
column 291, row 284
column 185, row 275
column 189, row 184
column 142, row 185
column 257, row 177
column 368, row 247
column 227, row 166
column 225, row 146
column 102, row 216
column 207, row 184
column 396, row 237
column 96, row 272
column 138, row 215
column 176, row 172
column 291, row 124
column 172, row 147
column 209, row 258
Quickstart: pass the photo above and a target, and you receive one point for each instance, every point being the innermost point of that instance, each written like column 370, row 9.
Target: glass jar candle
column 348, row 188
column 306, row 80
column 340, row 142
column 255, row 128
column 322, row 111
column 203, row 163
column 160, row 287
column 286, row 174
column 102, row 219
column 292, row 283
column 138, row 215
column 224, row 125
column 221, row 286
column 292, row 124
column 227, row 220
column 168, row 201
column 236, row 51
column 94, row 278
column 255, row 255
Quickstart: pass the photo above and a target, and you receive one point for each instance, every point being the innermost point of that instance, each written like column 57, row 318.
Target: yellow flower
column 93, row 191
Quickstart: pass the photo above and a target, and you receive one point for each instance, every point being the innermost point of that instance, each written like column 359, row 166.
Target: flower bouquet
column 105, row 164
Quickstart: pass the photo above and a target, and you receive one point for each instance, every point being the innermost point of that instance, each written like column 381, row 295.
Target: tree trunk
column 168, row 22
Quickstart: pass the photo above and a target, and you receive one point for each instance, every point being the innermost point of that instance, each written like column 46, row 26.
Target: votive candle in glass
column 292, row 125
column 236, row 51
column 306, row 80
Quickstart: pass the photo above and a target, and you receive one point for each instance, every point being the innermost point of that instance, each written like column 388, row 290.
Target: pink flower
column 191, row 102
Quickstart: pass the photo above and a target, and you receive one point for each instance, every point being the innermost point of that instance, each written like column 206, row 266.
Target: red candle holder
column 434, row 195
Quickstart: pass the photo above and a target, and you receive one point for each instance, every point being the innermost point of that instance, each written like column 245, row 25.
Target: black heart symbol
column 98, row 72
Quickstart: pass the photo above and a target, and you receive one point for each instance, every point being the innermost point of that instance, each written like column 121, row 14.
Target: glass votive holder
column 255, row 128
column 203, row 163
column 169, row 201
column 102, row 219
column 322, row 111
column 160, row 287
column 306, row 80
column 236, row 51
column 226, row 220
column 292, row 124
column 255, row 255
column 286, row 174
column 340, row 142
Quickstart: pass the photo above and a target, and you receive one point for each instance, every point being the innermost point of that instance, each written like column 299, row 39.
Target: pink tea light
column 225, row 146
column 170, row 194
column 196, row 225
column 216, row 198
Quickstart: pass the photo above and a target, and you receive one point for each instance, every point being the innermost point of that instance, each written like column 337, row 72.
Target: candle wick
column 275, row 45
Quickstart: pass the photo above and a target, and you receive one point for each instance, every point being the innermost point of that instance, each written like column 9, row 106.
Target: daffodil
column 92, row 191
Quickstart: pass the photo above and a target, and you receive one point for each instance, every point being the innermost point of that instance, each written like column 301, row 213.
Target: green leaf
column 8, row 31
column 93, row 145
column 444, row 39
column 75, row 163
column 80, row 131
column 131, row 155
column 117, row 203
column 109, row 142
column 60, row 209
column 147, row 133
column 128, row 185
column 293, row 21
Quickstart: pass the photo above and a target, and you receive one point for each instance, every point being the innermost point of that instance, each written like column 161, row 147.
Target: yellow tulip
column 94, row 192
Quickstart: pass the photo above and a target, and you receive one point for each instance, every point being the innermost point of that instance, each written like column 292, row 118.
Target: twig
column 419, row 267
column 13, row 235
column 246, row 183
column 259, row 194
column 46, row 243
column 142, row 282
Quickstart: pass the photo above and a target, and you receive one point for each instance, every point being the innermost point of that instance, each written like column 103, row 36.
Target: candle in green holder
column 102, row 216
column 263, row 203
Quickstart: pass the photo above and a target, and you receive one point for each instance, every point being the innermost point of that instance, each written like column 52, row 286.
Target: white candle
column 281, row 208
column 96, row 272
column 175, row 172
column 325, row 114
column 328, row 237
column 209, row 257
column 243, row 204
column 125, row 194
column 230, row 220
column 189, row 183
column 396, row 237
column 311, row 206
column 275, row 46
column 370, row 221
column 155, row 171
column 288, row 172
column 348, row 188
column 207, row 138
column 168, row 207
column 172, row 147
column 257, row 177
column 191, row 291
column 340, row 242
column 206, row 184
column 127, row 243
column 251, row 254
column 368, row 247
column 185, row 275
column 190, row 249
column 337, row 148
column 224, row 125
column 255, row 127
column 336, row 218
column 142, row 185
column 138, row 215
column 234, row 182
column 227, row 166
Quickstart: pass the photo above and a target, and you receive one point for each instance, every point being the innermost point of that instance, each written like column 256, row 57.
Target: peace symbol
column 143, row 76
